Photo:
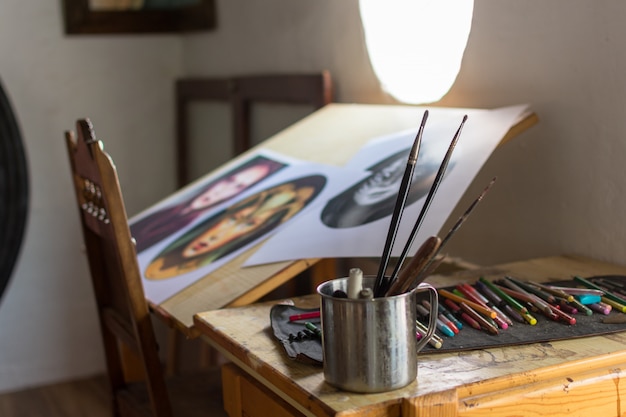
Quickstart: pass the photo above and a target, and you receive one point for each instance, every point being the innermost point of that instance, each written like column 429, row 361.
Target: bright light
column 416, row 46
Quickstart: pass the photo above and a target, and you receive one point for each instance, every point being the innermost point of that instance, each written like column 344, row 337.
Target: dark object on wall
column 14, row 190
column 81, row 18
column 242, row 92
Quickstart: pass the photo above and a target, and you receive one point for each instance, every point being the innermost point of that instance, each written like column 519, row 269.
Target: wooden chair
column 123, row 310
column 242, row 93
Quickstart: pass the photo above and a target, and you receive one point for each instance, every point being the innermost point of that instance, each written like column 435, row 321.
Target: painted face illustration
column 160, row 224
column 238, row 225
column 230, row 186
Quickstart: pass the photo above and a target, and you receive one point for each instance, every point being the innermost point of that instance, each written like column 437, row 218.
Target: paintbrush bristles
column 418, row 140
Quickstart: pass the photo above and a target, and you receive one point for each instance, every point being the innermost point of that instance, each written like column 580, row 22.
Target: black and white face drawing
column 375, row 196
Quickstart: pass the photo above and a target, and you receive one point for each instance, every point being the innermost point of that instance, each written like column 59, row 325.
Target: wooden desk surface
column 315, row 139
column 555, row 379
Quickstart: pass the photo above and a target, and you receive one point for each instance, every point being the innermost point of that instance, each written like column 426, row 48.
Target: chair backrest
column 122, row 307
column 242, row 92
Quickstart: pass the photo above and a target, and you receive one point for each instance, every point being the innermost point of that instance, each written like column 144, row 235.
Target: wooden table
column 314, row 139
column 580, row 377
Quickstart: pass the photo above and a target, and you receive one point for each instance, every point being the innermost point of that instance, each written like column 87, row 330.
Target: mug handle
column 434, row 312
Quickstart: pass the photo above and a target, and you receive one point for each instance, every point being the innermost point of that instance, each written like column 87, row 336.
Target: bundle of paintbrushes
column 427, row 258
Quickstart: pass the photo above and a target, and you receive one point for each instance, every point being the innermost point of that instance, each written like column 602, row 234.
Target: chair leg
column 132, row 367
column 173, row 349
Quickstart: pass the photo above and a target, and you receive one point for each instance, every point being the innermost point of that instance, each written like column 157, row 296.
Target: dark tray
column 309, row 349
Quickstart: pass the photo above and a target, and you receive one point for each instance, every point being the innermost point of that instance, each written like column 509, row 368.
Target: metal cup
column 371, row 345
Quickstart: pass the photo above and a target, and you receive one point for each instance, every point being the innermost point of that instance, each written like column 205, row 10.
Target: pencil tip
column 464, row 118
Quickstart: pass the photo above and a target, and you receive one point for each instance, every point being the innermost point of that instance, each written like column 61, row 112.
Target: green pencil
column 512, row 302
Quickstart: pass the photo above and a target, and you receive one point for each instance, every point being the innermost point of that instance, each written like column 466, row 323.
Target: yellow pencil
column 614, row 304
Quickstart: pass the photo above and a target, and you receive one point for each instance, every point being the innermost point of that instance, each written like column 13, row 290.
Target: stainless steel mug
column 370, row 345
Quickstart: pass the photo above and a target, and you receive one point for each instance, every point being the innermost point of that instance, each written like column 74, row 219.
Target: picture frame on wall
column 137, row 16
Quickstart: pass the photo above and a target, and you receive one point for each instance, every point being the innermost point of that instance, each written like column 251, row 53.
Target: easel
column 315, row 138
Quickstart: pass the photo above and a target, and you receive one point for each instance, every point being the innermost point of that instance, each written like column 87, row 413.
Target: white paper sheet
column 356, row 229
column 220, row 234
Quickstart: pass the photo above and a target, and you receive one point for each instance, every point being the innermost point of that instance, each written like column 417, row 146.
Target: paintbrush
column 429, row 198
column 423, row 272
column 405, row 185
column 421, row 257
column 429, row 269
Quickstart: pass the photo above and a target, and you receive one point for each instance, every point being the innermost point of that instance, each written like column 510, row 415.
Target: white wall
column 48, row 328
column 282, row 35
column 560, row 187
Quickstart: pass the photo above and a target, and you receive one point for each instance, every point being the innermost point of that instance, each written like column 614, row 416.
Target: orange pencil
column 482, row 310
column 480, row 319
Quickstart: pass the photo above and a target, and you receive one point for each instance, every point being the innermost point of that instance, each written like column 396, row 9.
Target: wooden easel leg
column 322, row 271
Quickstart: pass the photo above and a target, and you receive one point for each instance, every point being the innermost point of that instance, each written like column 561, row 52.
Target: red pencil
column 464, row 316
column 304, row 316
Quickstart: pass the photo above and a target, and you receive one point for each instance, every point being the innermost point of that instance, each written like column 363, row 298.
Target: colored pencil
column 481, row 309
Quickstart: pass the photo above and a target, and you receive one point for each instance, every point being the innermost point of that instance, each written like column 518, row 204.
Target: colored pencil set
column 494, row 306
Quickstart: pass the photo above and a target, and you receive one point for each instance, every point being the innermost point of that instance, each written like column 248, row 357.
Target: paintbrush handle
column 430, row 267
column 429, row 197
column 381, row 284
column 423, row 256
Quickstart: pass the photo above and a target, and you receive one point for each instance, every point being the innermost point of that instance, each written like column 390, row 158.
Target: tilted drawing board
column 331, row 137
